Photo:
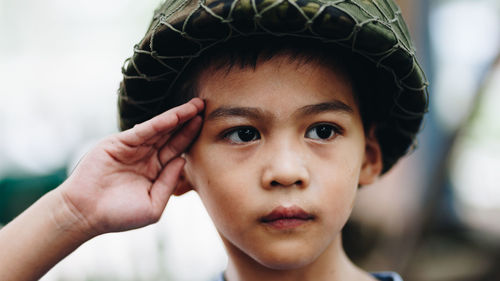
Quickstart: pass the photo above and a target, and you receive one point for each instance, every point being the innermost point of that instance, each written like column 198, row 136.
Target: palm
column 125, row 182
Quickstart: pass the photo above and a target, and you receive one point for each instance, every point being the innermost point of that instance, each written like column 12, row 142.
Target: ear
column 184, row 185
column 372, row 162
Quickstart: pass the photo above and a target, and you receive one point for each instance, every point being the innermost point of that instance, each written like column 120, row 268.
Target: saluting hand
column 127, row 179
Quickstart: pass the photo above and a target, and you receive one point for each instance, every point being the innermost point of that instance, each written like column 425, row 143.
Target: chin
column 285, row 260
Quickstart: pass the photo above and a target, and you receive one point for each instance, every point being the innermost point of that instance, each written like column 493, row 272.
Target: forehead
column 275, row 84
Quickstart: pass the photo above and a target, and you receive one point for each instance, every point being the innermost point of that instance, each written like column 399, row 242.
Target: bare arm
column 121, row 184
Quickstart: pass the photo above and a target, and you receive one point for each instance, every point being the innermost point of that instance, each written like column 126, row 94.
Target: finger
column 179, row 142
column 162, row 124
column 198, row 103
column 160, row 142
column 165, row 185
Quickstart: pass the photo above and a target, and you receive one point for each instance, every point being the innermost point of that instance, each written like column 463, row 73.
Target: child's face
column 279, row 159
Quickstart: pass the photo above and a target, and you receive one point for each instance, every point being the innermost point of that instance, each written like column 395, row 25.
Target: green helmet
column 182, row 30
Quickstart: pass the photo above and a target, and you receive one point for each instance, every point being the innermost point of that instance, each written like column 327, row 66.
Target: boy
column 292, row 106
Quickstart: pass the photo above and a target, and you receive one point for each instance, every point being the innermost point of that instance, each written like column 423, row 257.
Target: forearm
column 39, row 238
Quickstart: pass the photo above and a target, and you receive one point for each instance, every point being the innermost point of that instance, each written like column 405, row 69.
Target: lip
column 286, row 217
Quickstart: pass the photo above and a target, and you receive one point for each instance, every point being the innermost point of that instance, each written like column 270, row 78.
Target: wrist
column 66, row 219
column 40, row 237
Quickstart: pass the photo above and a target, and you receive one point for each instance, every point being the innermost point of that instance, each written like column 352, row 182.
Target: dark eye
column 322, row 132
column 242, row 135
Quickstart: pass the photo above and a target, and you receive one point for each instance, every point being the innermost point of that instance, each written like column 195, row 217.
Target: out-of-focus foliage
column 18, row 193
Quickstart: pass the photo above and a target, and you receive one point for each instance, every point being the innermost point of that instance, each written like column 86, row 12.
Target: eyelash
column 235, row 132
column 335, row 131
column 253, row 134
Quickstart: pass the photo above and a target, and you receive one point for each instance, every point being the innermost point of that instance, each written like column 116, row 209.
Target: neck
column 333, row 264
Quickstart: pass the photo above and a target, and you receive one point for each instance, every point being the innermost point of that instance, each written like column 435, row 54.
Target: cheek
column 340, row 163
column 223, row 186
column 338, row 192
column 228, row 206
column 337, row 175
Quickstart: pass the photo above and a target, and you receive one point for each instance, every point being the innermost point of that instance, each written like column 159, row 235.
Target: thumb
column 165, row 184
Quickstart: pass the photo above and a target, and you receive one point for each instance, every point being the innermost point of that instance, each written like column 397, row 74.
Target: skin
column 126, row 180
column 283, row 162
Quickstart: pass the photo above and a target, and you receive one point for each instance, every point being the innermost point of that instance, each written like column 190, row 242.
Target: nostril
column 276, row 183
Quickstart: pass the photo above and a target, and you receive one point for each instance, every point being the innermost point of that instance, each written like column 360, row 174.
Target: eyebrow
column 222, row 112
column 255, row 113
column 325, row 107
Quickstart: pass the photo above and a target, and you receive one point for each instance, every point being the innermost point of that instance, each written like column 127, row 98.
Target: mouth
column 287, row 217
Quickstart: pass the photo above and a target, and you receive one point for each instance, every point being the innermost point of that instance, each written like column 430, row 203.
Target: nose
column 284, row 166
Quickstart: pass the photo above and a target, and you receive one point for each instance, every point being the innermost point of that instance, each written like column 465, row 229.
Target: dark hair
column 249, row 51
column 244, row 52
